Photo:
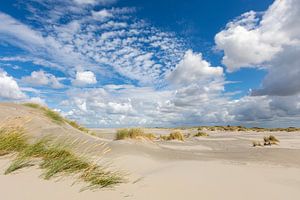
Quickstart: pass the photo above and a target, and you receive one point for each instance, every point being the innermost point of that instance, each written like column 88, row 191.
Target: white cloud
column 124, row 44
column 102, row 2
column 102, row 14
column 41, row 78
column 249, row 41
column 193, row 69
column 283, row 75
column 272, row 42
column 84, row 78
column 37, row 100
column 19, row 34
column 9, row 88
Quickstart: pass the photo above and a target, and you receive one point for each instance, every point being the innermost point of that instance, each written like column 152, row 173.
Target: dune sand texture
column 221, row 166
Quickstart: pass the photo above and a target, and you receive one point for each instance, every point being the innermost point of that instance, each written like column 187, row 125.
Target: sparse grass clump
column 55, row 159
column 270, row 140
column 32, row 105
column 133, row 133
column 256, row 143
column 243, row 128
column 56, row 117
column 201, row 134
column 267, row 141
column 176, row 135
column 74, row 124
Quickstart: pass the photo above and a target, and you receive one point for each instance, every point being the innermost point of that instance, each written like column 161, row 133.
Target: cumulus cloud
column 283, row 77
column 41, row 78
column 192, row 68
column 84, row 78
column 271, row 41
column 9, row 88
column 251, row 41
column 164, row 83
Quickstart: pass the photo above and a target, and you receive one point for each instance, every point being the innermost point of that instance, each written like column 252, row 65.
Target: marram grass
column 56, row 117
column 176, row 135
column 56, row 159
column 12, row 140
column 201, row 134
column 133, row 133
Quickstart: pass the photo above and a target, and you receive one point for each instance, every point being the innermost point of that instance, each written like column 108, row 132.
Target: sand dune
column 221, row 166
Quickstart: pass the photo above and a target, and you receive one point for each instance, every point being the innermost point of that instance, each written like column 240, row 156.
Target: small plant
column 133, row 133
column 32, row 105
column 201, row 134
column 256, row 143
column 270, row 140
column 74, row 124
column 176, row 135
column 54, row 116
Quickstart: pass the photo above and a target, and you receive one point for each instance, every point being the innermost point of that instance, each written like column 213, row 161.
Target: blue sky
column 116, row 63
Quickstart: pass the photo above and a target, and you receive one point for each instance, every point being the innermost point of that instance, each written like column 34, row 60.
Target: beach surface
column 223, row 165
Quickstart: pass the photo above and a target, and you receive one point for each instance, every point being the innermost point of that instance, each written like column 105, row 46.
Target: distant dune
column 215, row 165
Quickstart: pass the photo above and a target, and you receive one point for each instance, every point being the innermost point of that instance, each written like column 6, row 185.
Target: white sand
column 221, row 166
column 167, row 180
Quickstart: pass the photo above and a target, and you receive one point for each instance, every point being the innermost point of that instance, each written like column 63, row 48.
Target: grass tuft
column 201, row 134
column 270, row 140
column 74, row 124
column 176, row 135
column 12, row 140
column 256, row 143
column 55, row 159
column 133, row 133
column 56, row 117
column 32, row 105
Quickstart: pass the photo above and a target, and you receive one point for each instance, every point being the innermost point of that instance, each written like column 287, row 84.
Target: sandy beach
column 223, row 165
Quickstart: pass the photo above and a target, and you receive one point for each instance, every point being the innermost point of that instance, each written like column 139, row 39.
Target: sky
column 159, row 63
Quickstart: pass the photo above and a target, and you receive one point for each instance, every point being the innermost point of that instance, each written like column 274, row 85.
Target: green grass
column 56, row 159
column 133, row 133
column 32, row 105
column 201, row 134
